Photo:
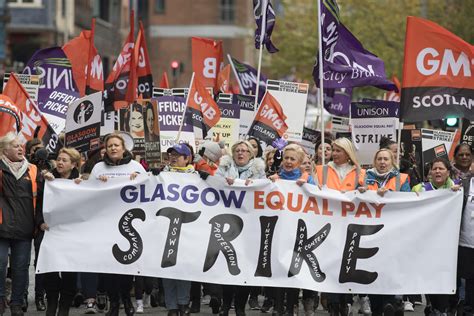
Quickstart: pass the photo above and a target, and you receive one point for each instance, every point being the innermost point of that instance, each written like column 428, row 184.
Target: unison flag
column 258, row 9
column 269, row 123
column 123, row 74
column 201, row 111
column 346, row 62
column 207, row 60
column 31, row 116
column 145, row 78
column 10, row 116
column 247, row 78
column 86, row 63
column 437, row 74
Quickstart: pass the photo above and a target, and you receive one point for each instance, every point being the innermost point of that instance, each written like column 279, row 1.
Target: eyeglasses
column 243, row 151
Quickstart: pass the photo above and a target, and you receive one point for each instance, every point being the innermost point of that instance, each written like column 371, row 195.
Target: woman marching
column 383, row 177
column 291, row 169
column 60, row 287
column 117, row 162
column 241, row 165
column 439, row 173
column 343, row 173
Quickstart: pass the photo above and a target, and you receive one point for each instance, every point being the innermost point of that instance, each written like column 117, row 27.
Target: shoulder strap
column 397, row 182
column 325, row 174
column 356, row 180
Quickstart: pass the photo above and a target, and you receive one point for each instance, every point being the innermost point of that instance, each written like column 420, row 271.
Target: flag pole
column 185, row 108
column 262, row 36
column 321, row 88
column 399, row 140
column 235, row 73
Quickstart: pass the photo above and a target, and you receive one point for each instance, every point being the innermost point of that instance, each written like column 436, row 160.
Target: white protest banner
column 83, row 122
column 292, row 97
column 179, row 226
column 29, row 82
column 247, row 112
column 107, row 125
column 370, row 122
column 170, row 114
column 435, row 144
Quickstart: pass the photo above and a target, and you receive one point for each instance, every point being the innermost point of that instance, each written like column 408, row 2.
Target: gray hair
column 246, row 143
column 6, row 141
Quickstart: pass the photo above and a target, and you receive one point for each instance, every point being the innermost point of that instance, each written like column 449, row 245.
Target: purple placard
column 170, row 113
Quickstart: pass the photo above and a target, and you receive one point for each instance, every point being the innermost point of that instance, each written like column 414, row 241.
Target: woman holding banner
column 343, row 173
column 291, row 169
column 242, row 165
column 440, row 170
column 383, row 177
column 117, row 161
column 60, row 287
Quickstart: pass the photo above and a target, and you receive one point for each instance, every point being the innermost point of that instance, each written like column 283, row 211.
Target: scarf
column 294, row 174
column 382, row 178
column 242, row 169
column 187, row 169
column 17, row 168
column 341, row 170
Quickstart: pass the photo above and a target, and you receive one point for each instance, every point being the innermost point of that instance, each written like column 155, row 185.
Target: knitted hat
column 212, row 150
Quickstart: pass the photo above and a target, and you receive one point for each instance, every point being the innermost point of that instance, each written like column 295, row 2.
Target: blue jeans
column 176, row 293
column 19, row 263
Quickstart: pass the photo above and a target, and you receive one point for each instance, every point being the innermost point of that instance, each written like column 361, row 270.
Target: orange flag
column 269, row 123
column 207, row 60
column 392, row 95
column 31, row 116
column 164, row 83
column 117, row 83
column 86, row 63
column 223, row 80
column 202, row 111
column 437, row 73
column 142, row 62
column 10, row 116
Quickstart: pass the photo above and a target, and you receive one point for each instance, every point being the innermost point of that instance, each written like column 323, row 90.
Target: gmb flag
column 269, row 123
column 207, row 60
column 346, row 62
column 437, row 73
column 202, row 111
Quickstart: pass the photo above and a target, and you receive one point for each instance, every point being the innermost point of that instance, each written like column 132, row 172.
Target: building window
column 25, row 3
column 159, row 6
column 227, row 11
column 101, row 9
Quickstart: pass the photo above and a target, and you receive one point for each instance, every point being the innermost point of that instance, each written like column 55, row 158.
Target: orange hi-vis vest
column 393, row 184
column 32, row 173
column 328, row 176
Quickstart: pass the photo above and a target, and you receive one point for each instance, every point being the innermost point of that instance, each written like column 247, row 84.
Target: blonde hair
column 114, row 135
column 348, row 147
column 6, row 141
column 296, row 148
column 390, row 153
column 246, row 143
column 73, row 154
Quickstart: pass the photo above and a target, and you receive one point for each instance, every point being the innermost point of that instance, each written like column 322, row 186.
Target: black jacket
column 16, row 204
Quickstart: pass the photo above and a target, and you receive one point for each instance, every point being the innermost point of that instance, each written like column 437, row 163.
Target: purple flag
column 269, row 24
column 346, row 62
column 338, row 101
column 57, row 87
column 247, row 78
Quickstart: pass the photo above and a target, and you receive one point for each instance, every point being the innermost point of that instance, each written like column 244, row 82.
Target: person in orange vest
column 343, row 173
column 18, row 190
column 383, row 177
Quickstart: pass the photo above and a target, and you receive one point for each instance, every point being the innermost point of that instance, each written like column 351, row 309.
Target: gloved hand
column 155, row 171
column 203, row 175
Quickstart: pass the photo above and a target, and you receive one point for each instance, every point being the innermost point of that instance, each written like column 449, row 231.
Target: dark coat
column 16, row 203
